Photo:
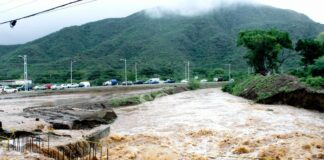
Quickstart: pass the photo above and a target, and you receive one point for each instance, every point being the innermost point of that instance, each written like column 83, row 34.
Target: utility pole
column 185, row 73
column 135, row 72
column 25, row 71
column 71, row 74
column 188, row 71
column 229, row 72
column 125, row 70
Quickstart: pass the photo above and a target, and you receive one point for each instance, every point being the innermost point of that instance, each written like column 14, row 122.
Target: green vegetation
column 264, row 48
column 138, row 99
column 310, row 50
column 317, row 69
column 134, row 100
column 157, row 44
column 259, row 87
column 193, row 85
column 314, row 82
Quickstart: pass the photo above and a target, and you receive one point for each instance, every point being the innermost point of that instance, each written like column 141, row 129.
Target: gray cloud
column 193, row 7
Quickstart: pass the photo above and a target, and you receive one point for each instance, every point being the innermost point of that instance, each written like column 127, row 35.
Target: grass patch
column 313, row 82
column 134, row 100
column 138, row 99
column 260, row 87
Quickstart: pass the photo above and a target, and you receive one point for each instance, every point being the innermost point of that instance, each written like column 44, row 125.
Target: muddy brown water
column 211, row 124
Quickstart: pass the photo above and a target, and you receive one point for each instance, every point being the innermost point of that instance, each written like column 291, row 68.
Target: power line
column 13, row 21
column 66, row 7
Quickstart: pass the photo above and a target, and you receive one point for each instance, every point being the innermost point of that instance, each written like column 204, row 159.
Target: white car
column 203, row 81
column 73, row 85
column 63, row 86
column 40, row 87
column 7, row 89
column 107, row 83
column 56, row 87
column 184, row 81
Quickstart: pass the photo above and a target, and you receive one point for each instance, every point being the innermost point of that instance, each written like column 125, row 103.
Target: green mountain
column 159, row 45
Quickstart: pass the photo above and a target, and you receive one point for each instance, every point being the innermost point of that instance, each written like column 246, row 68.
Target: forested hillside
column 159, row 45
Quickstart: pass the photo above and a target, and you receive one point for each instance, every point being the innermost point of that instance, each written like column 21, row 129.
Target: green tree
column 310, row 50
column 94, row 75
column 318, row 68
column 320, row 37
column 263, row 48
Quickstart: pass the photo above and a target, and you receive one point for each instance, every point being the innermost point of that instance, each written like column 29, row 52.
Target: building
column 17, row 82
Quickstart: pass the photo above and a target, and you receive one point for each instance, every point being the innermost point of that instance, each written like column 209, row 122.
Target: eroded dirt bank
column 211, row 124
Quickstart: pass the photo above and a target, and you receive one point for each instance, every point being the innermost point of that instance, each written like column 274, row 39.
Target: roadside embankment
column 277, row 89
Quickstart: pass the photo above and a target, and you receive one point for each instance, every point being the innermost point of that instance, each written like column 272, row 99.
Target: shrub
column 315, row 82
column 193, row 85
column 318, row 68
column 228, row 87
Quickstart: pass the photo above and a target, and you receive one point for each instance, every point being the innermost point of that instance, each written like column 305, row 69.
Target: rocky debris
column 74, row 116
column 98, row 134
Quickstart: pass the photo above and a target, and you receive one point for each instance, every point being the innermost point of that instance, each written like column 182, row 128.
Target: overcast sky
column 29, row 29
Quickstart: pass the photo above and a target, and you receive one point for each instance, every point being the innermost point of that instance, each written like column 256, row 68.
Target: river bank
column 277, row 89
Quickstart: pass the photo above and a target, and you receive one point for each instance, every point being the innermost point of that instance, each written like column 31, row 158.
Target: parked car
column 7, row 89
column 184, row 81
column 203, row 81
column 40, row 87
column 218, row 79
column 84, row 84
column 107, row 83
column 152, row 81
column 114, row 82
column 22, row 88
column 56, row 87
column 1, row 89
column 48, row 86
column 73, row 85
column 128, row 83
column 139, row 82
column 169, row 81
column 63, row 86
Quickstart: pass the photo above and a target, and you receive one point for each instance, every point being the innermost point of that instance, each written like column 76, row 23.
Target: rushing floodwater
column 211, row 124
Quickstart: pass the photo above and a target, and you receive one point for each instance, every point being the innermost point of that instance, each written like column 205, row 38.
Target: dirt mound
column 299, row 98
column 279, row 89
column 260, row 87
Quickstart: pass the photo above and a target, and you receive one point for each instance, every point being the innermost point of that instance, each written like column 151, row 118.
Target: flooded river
column 211, row 124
